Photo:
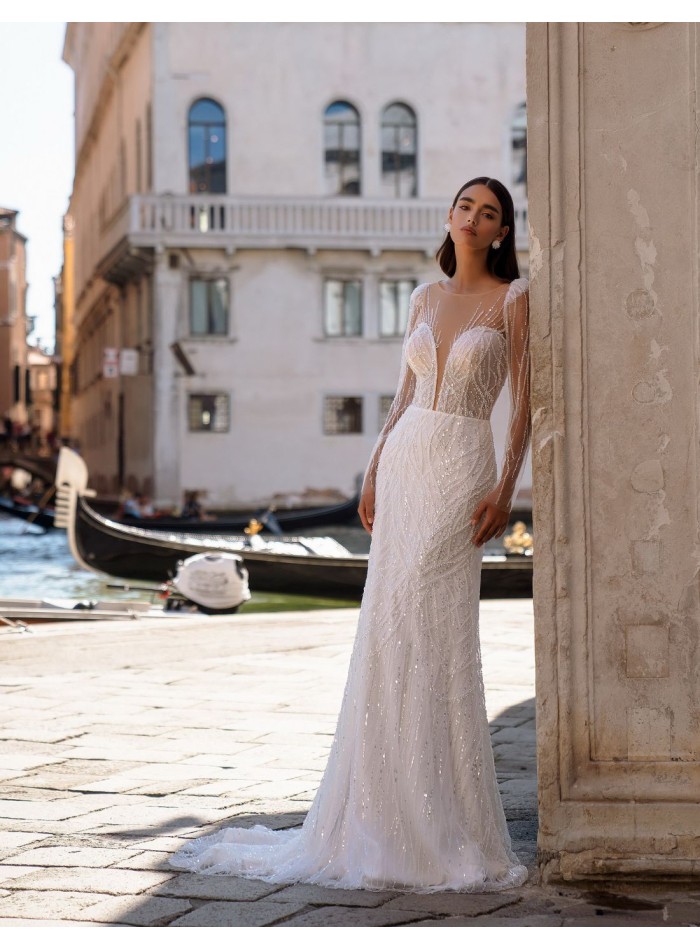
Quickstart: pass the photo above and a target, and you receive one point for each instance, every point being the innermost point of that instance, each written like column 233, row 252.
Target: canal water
column 38, row 564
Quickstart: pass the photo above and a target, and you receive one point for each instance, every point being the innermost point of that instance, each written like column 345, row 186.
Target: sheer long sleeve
column 405, row 390
column 517, row 327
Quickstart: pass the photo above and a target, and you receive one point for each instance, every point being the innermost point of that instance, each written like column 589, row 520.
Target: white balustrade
column 310, row 223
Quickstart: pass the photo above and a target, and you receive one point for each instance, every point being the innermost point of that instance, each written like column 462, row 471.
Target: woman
column 409, row 799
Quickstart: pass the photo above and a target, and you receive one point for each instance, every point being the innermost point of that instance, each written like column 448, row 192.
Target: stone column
column 167, row 408
column 613, row 209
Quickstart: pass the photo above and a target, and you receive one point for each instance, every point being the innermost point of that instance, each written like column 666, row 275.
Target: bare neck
column 471, row 273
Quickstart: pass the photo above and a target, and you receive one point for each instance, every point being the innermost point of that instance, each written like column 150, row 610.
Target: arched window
column 518, row 147
column 207, row 147
column 399, row 134
column 341, row 142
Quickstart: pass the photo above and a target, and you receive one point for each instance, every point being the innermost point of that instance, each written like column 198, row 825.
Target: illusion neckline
column 479, row 293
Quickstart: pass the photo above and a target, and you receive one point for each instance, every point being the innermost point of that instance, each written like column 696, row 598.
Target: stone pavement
column 121, row 739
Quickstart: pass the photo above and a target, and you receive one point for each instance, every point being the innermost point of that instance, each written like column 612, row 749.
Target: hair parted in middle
column 502, row 261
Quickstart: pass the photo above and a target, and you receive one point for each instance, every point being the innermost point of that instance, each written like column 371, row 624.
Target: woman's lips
column 469, row 230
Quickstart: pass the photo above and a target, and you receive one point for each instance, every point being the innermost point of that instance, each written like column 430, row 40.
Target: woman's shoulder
column 418, row 295
column 519, row 285
column 419, row 290
column 517, row 290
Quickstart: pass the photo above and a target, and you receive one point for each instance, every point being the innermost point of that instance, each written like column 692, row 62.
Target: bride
column 409, row 798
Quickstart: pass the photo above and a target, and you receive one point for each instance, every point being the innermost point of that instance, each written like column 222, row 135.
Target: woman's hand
column 490, row 519
column 366, row 509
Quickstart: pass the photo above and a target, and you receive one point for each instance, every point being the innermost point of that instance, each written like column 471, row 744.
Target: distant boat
column 292, row 519
column 44, row 517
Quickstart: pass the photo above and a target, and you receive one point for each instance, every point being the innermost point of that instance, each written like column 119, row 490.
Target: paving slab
column 144, row 861
column 466, row 905
column 34, row 922
column 540, row 920
column 47, row 905
column 153, row 912
column 89, row 880
column 238, row 914
column 339, row 896
column 342, row 916
column 217, row 887
column 67, row 857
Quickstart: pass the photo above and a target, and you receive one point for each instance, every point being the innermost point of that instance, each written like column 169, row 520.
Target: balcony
column 146, row 223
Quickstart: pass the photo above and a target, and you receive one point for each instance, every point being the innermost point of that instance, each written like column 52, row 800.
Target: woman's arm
column 404, row 391
column 517, row 326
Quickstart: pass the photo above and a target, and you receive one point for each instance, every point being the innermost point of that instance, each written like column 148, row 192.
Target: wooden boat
column 43, row 517
column 314, row 566
column 292, row 519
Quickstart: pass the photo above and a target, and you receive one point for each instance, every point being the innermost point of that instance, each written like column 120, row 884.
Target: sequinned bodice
column 472, row 376
column 458, row 351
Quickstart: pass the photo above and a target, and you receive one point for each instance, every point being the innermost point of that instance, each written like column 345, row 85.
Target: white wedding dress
column 409, row 798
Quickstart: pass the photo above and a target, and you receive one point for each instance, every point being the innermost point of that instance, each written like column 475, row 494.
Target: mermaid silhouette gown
column 409, row 798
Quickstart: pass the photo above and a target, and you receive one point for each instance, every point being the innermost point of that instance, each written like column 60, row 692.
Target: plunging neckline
column 438, row 383
column 437, row 389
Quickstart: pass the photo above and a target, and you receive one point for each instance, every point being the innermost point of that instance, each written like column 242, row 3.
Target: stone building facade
column 252, row 204
column 42, row 395
column 13, row 320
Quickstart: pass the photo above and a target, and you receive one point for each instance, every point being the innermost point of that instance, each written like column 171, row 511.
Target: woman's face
column 479, row 209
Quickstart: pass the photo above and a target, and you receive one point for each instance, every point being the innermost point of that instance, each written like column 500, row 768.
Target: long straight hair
column 501, row 262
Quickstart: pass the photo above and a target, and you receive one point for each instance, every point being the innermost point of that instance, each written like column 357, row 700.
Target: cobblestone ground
column 121, row 739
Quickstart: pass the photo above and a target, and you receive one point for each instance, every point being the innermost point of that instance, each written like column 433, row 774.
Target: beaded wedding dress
column 409, row 798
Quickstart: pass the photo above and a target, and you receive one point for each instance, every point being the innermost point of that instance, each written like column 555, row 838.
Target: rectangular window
column 394, row 296
column 342, row 414
column 342, row 310
column 208, row 412
column 209, row 307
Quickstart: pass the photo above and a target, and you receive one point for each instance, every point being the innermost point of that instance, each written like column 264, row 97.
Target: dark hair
column 502, row 262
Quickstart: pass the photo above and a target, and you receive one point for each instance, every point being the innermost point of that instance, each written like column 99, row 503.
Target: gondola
column 317, row 567
column 293, row 519
column 43, row 517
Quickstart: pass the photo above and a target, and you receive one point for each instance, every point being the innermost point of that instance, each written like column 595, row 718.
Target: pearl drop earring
column 496, row 244
column 446, row 226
